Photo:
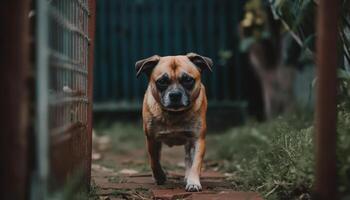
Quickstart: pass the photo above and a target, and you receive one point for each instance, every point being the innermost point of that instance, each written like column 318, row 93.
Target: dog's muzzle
column 175, row 99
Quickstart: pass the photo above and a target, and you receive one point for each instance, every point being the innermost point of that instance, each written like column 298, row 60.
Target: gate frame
column 15, row 94
column 92, row 28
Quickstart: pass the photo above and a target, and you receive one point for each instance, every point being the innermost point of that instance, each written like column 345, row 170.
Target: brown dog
column 174, row 111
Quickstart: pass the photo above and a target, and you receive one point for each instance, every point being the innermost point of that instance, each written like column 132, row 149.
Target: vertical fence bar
column 97, row 46
column 327, row 34
column 223, row 47
column 210, row 38
column 42, row 88
column 113, row 53
column 199, row 26
column 188, row 29
column 124, row 30
column 142, row 49
column 155, row 26
column 146, row 49
column 108, row 49
column 129, row 66
column 215, row 47
column 177, row 21
column 238, row 81
column 119, row 67
column 103, row 73
column 166, row 26
column 135, row 44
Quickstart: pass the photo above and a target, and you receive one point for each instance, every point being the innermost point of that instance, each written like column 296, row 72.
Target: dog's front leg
column 193, row 183
column 189, row 154
column 154, row 148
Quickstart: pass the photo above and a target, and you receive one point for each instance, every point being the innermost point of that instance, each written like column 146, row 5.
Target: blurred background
column 71, row 105
column 260, row 94
column 260, row 71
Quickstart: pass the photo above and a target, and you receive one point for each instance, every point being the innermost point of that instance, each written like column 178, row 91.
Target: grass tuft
column 276, row 158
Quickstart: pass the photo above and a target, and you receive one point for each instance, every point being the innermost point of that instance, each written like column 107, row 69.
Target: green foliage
column 344, row 88
column 343, row 151
column 343, row 130
column 299, row 17
column 276, row 158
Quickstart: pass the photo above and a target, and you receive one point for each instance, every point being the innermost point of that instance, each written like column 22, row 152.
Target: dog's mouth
column 176, row 107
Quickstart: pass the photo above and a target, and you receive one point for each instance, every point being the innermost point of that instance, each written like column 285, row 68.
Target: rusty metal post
column 325, row 118
column 92, row 19
column 14, row 107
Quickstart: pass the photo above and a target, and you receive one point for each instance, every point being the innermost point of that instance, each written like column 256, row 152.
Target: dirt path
column 126, row 175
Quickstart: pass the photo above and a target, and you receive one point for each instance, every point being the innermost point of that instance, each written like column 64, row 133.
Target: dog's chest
column 176, row 130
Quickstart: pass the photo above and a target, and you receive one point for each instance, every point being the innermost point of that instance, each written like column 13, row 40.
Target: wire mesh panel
column 65, row 65
column 68, row 42
column 68, row 101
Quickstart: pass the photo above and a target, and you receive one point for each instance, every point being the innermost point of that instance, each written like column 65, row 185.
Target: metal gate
column 64, row 91
column 128, row 30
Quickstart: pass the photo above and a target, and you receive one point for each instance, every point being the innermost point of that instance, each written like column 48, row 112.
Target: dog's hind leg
column 154, row 148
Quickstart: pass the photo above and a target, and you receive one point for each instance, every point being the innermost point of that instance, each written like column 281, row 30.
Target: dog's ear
column 201, row 62
column 146, row 65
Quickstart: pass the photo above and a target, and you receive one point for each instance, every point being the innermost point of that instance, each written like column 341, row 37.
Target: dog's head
column 175, row 81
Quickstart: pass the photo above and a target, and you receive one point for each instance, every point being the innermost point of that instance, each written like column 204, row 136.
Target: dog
column 174, row 111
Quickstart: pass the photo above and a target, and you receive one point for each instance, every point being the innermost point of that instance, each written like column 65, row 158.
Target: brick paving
column 123, row 179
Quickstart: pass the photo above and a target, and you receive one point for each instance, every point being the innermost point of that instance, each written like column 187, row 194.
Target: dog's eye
column 187, row 82
column 163, row 82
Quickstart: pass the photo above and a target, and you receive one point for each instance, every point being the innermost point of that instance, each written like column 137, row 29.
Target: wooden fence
column 128, row 30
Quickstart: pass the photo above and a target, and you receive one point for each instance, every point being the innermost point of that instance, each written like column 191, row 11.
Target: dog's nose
column 175, row 96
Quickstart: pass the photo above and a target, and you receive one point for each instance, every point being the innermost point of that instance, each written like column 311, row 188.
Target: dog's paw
column 160, row 178
column 193, row 186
